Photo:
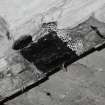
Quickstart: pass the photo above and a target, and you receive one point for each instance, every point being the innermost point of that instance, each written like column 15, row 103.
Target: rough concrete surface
column 80, row 85
column 84, row 82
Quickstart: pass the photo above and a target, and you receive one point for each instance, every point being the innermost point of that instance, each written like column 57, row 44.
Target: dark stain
column 8, row 35
column 48, row 53
column 97, row 31
column 22, row 42
column 48, row 93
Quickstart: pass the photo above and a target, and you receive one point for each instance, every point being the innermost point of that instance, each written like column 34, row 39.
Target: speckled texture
column 84, row 82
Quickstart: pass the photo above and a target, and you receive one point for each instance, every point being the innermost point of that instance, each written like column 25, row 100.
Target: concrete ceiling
column 68, row 13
